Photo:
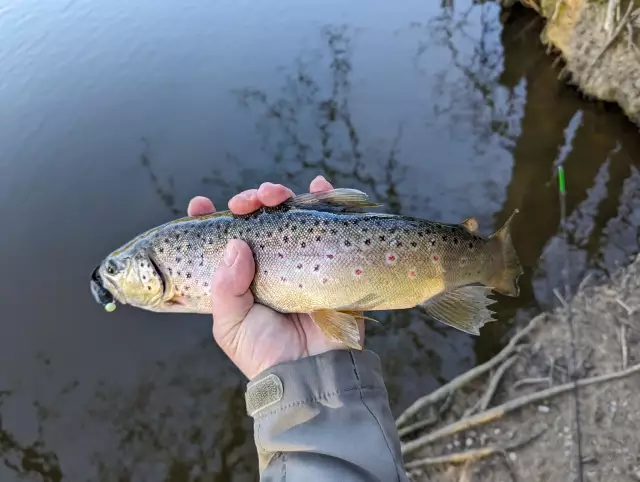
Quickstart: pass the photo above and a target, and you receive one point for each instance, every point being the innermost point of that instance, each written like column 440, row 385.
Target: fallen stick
column 499, row 411
column 470, row 455
column 483, row 402
column 466, row 377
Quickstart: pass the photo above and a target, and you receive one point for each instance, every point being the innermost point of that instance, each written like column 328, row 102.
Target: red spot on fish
column 412, row 274
column 391, row 258
column 435, row 258
column 330, row 256
column 357, row 271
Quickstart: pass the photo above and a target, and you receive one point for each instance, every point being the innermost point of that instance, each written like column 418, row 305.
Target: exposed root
column 499, row 411
column 466, row 377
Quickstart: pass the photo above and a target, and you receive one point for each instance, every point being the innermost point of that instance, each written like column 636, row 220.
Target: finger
column 231, row 298
column 320, row 184
column 200, row 206
column 244, row 203
column 273, row 194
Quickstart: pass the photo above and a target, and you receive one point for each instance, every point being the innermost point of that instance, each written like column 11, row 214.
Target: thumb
column 231, row 298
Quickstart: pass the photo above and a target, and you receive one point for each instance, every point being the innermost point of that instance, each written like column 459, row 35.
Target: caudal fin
column 507, row 269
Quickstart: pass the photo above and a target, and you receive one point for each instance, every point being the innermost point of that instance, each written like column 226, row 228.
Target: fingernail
column 321, row 177
column 230, row 254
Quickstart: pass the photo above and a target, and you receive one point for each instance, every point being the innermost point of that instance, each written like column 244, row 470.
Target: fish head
column 132, row 278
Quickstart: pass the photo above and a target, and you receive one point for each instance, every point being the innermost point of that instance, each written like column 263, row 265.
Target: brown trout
column 318, row 254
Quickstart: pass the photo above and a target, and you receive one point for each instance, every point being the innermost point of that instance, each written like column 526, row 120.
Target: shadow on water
column 500, row 90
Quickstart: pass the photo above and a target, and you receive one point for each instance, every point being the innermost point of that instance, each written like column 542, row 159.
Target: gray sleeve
column 325, row 418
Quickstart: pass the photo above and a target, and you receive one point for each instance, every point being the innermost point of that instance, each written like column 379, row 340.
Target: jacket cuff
column 312, row 378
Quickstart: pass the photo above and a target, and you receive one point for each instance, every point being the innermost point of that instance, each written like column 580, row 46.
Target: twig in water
column 466, row 377
column 499, row 411
column 485, row 400
column 471, row 455
column 561, row 298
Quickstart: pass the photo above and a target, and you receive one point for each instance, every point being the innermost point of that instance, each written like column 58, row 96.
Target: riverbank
column 514, row 417
column 598, row 41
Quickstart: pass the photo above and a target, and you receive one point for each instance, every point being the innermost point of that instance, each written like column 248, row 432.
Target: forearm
column 325, row 417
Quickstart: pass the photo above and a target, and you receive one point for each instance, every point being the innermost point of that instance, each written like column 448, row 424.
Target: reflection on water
column 439, row 111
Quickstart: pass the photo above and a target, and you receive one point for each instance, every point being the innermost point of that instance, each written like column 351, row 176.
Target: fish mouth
column 100, row 293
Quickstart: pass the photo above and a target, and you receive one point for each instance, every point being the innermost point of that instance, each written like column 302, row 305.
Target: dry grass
column 522, row 423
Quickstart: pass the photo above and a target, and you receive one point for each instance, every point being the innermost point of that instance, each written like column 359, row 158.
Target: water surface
column 114, row 114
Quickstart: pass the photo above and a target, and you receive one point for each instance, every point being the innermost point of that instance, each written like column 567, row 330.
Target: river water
column 113, row 114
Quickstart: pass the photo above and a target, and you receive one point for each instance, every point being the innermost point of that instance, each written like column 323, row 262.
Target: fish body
column 317, row 254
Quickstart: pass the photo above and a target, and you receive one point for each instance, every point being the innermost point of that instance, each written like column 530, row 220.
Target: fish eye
column 111, row 268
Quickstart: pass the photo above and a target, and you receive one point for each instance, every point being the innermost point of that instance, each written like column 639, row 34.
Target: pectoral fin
column 464, row 308
column 338, row 326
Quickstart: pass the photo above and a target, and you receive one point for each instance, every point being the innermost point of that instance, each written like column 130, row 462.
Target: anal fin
column 464, row 308
column 338, row 326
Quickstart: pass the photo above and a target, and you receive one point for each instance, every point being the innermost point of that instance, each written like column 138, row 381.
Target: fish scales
column 309, row 260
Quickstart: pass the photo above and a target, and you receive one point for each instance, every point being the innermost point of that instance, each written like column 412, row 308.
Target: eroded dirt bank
column 598, row 41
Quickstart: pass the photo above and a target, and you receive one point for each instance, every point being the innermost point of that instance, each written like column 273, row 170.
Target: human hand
column 254, row 336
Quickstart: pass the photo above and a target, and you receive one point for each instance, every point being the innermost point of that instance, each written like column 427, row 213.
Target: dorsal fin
column 336, row 200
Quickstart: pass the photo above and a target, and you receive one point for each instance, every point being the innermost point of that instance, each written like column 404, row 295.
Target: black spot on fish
column 294, row 227
column 303, row 245
column 226, row 231
column 316, row 267
column 414, row 244
column 347, row 242
column 210, row 241
column 144, row 277
column 323, row 230
column 161, row 249
column 367, row 242
column 170, row 270
column 280, row 229
column 299, row 266
column 177, row 236
column 262, row 246
column 478, row 272
column 205, row 284
column 333, row 231
column 433, row 242
column 149, row 288
column 382, row 238
column 455, row 240
column 300, row 286
column 317, row 223
column 179, row 273
column 364, row 230
column 444, row 238
column 189, row 246
column 420, row 234
column 166, row 240
column 428, row 231
column 346, row 223
column 399, row 244
column 201, row 263
column 287, row 225
column 269, row 234
column 285, row 239
column 311, row 230
column 325, row 222
column 393, row 230
column 318, row 238
column 198, row 235
column 470, row 245
column 178, row 259
column 265, row 272
column 188, row 275
column 186, row 288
